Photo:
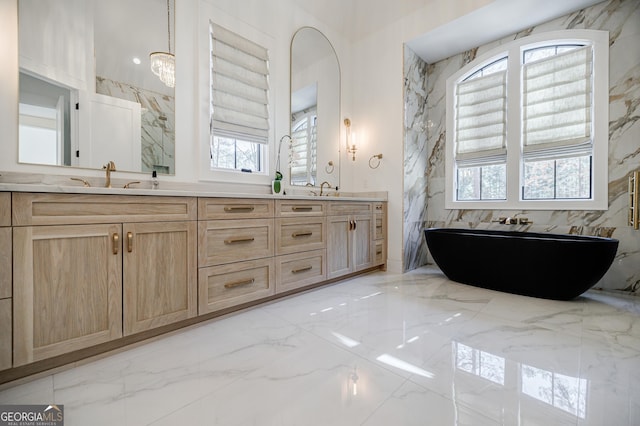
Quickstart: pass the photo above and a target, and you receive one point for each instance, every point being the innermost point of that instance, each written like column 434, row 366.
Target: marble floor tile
column 380, row 349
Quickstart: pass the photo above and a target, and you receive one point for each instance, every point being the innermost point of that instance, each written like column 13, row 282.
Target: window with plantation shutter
column 239, row 87
column 527, row 125
column 304, row 147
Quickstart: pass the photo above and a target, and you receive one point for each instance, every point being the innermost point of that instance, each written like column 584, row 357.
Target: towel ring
column 329, row 167
column 377, row 164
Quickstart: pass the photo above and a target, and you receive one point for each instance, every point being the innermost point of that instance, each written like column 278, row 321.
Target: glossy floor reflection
column 383, row 349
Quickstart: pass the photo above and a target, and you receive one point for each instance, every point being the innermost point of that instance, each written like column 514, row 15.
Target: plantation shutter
column 557, row 95
column 304, row 148
column 239, row 87
column 481, row 118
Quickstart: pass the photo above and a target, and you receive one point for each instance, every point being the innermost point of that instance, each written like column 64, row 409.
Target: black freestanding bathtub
column 550, row 266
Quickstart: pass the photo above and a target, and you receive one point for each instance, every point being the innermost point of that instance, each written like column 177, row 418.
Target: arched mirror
column 315, row 110
column 88, row 94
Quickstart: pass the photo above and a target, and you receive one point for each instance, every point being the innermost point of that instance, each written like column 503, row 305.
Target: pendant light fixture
column 163, row 64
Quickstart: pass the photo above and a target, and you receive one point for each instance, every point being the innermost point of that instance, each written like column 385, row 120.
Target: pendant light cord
column 169, row 23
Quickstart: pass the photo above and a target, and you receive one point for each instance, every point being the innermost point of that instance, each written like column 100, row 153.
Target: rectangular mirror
column 87, row 91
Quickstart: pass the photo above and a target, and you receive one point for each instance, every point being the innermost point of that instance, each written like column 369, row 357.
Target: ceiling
column 355, row 19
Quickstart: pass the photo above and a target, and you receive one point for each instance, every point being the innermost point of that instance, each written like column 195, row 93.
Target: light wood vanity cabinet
column 236, row 249
column 5, row 281
column 73, row 280
column 79, row 270
column 350, row 240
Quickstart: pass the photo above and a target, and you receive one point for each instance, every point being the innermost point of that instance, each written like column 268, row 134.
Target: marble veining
column 380, row 349
column 158, row 123
column 622, row 19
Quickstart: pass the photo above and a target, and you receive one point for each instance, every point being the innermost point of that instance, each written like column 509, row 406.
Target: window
column 239, row 102
column 527, row 125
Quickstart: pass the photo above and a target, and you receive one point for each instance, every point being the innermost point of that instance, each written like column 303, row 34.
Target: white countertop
column 183, row 192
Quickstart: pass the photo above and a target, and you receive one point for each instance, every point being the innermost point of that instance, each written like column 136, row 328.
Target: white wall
column 375, row 84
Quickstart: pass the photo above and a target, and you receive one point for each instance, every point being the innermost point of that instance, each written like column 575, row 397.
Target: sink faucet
column 322, row 186
column 109, row 167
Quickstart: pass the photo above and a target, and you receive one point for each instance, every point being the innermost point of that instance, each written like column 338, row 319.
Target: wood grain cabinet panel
column 5, row 334
column 5, row 209
column 298, row 208
column 226, row 241
column 6, row 257
column 350, row 240
column 160, row 274
column 229, row 285
column 234, row 208
column 67, row 289
column 294, row 235
column 74, row 209
column 299, row 270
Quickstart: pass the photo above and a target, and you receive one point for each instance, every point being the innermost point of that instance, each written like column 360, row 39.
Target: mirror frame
column 339, row 126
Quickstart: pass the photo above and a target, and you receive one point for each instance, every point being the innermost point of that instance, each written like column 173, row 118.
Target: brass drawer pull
column 378, row 207
column 305, row 269
column 239, row 240
column 379, row 252
column 301, row 234
column 116, row 241
column 239, row 209
column 240, row 283
column 301, row 208
column 129, row 242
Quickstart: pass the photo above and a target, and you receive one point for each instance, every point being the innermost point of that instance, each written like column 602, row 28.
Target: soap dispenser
column 154, row 180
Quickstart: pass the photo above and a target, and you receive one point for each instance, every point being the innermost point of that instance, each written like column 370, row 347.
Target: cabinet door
column 362, row 235
column 67, row 289
column 160, row 274
column 339, row 260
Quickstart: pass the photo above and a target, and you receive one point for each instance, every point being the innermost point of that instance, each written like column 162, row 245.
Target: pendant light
column 163, row 64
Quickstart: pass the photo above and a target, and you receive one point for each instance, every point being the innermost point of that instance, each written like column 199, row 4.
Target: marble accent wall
column 158, row 123
column 415, row 160
column 622, row 19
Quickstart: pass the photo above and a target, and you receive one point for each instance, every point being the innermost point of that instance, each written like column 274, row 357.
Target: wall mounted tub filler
column 545, row 265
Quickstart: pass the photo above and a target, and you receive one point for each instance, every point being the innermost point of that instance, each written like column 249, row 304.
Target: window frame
column 514, row 163
column 206, row 14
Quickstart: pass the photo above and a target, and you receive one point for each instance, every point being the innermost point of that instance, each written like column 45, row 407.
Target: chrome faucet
column 109, row 167
column 322, row 186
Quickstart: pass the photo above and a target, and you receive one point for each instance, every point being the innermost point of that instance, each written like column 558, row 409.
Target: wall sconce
column 351, row 140
column 372, row 161
column 634, row 200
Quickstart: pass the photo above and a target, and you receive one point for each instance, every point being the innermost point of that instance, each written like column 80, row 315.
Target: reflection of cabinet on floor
column 350, row 241
column 76, row 256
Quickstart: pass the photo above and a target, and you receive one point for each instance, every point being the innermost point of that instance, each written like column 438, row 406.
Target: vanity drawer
column 75, row 209
column 234, row 208
column 301, row 269
column 294, row 235
column 380, row 253
column 225, row 241
column 293, row 208
column 342, row 208
column 225, row 286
